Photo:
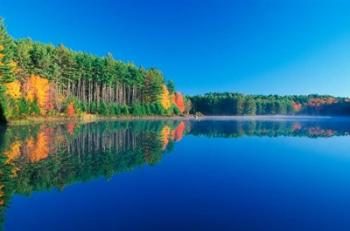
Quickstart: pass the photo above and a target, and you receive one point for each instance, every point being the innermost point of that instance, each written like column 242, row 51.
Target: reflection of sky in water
column 297, row 180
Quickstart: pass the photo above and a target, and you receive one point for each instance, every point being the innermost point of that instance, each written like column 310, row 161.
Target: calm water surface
column 279, row 174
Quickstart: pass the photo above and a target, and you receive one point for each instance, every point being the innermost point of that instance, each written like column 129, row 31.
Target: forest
column 43, row 80
column 239, row 104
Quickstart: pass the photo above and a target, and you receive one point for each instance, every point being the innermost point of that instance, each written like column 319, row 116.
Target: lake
column 256, row 173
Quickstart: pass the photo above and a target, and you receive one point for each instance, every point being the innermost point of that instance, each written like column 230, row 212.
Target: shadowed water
column 210, row 174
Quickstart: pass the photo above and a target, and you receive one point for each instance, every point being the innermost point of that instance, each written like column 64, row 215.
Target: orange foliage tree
column 70, row 110
column 179, row 101
column 37, row 88
column 179, row 131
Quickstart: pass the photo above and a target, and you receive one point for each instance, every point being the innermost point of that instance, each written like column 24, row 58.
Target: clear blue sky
column 282, row 47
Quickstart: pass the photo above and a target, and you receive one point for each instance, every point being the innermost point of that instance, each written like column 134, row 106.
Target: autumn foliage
column 321, row 101
column 42, row 79
column 70, row 110
column 70, row 128
column 13, row 89
column 297, row 107
column 37, row 88
column 13, row 152
column 34, row 148
column 39, row 146
column 38, row 149
column 179, row 131
column 165, row 98
column 168, row 134
column 165, row 136
column 179, row 101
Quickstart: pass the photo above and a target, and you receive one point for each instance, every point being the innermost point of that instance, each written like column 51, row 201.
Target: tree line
column 36, row 78
column 240, row 104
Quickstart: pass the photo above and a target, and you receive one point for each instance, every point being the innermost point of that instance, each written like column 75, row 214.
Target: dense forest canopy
column 239, row 104
column 43, row 79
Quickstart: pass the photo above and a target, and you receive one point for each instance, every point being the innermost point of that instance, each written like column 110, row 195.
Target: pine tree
column 6, row 54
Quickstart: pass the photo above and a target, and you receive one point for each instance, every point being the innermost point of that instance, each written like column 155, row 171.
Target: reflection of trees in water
column 42, row 157
column 235, row 128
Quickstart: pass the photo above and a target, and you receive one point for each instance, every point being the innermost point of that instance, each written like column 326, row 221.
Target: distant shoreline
column 267, row 117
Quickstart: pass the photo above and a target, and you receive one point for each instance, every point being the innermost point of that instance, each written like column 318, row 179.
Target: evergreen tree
column 171, row 86
column 6, row 54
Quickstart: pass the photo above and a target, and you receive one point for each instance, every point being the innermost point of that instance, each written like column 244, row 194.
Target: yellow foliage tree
column 13, row 89
column 165, row 100
column 37, row 88
column 1, row 55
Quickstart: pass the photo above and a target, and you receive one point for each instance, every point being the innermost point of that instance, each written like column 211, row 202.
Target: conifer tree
column 6, row 53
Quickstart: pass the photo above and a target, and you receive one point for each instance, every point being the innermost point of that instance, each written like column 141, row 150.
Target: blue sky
column 263, row 47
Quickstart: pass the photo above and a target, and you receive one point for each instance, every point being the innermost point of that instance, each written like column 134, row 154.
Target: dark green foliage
column 239, row 104
column 34, row 108
column 152, row 87
column 174, row 110
column 7, row 46
column 249, row 106
column 171, row 86
column 87, row 77
column 102, row 109
column 23, row 107
column 98, row 85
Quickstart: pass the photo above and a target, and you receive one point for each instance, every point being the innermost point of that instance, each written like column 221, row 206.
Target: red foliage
column 179, row 131
column 179, row 101
column 297, row 106
column 70, row 110
column 70, row 128
column 318, row 102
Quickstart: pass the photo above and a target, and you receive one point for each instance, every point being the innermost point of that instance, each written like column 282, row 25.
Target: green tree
column 6, row 55
column 171, row 86
column 152, row 86
column 249, row 106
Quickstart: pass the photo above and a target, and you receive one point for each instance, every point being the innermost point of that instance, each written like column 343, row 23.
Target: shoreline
column 90, row 119
column 96, row 118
